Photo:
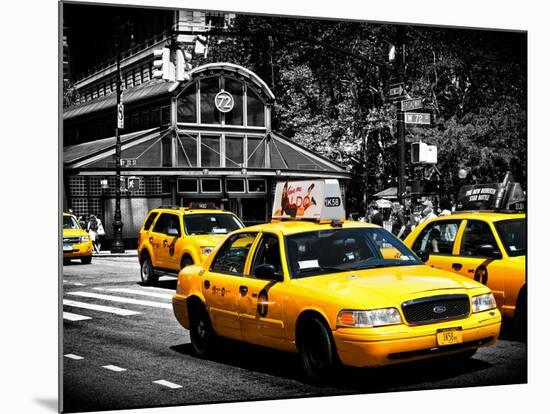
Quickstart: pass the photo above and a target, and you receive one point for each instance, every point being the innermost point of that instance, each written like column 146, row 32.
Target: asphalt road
column 139, row 356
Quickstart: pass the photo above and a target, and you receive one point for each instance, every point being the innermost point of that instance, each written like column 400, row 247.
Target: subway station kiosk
column 206, row 139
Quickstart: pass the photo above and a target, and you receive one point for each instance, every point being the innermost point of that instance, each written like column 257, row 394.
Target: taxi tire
column 147, row 272
column 86, row 260
column 317, row 350
column 520, row 317
column 186, row 261
column 200, row 331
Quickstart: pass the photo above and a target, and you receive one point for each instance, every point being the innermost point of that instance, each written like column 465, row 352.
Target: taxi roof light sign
column 309, row 199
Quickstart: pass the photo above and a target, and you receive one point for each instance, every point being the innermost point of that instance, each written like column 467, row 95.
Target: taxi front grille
column 436, row 309
column 71, row 240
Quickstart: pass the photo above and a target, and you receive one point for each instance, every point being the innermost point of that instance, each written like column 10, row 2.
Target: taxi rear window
column 150, row 220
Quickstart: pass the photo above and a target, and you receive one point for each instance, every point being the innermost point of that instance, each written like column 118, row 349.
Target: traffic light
column 163, row 68
column 183, row 57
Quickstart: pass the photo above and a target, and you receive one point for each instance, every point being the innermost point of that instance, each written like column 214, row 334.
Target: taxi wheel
column 317, row 350
column 520, row 317
column 86, row 260
column 200, row 331
column 186, row 261
column 148, row 276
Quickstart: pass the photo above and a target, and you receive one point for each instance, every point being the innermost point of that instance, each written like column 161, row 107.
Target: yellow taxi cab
column 173, row 237
column 334, row 291
column 76, row 241
column 487, row 246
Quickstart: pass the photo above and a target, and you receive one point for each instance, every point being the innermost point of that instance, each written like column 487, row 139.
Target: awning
column 382, row 203
column 88, row 153
column 390, row 192
column 146, row 90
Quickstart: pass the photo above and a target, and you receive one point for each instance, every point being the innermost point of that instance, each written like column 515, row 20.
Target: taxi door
column 222, row 284
column 172, row 242
column 438, row 239
column 260, row 300
column 157, row 239
column 472, row 263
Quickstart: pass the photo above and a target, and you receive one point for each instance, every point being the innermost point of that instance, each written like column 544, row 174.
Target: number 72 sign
column 224, row 101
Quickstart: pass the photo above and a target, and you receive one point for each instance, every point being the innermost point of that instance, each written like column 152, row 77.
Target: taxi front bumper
column 373, row 347
column 77, row 250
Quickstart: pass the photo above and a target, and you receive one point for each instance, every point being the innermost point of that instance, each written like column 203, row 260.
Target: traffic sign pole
column 400, row 60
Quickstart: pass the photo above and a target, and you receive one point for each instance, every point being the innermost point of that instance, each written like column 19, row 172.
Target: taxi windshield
column 339, row 250
column 70, row 223
column 211, row 224
column 512, row 235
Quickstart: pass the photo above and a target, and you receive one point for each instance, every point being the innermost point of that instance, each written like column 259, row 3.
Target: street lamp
column 118, row 244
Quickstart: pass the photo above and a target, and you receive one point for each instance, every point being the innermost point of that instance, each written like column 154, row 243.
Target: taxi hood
column 74, row 232
column 386, row 286
column 207, row 239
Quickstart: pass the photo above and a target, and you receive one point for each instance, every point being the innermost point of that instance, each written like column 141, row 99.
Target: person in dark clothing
column 397, row 218
column 375, row 216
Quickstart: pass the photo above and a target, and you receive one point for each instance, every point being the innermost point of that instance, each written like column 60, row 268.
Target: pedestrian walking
column 397, row 218
column 100, row 234
column 375, row 216
column 428, row 211
column 92, row 231
column 445, row 206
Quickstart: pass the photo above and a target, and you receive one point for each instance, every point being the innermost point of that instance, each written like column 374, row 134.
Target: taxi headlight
column 84, row 239
column 483, row 302
column 368, row 318
column 206, row 250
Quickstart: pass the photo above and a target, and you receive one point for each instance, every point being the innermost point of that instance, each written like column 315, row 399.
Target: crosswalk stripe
column 100, row 308
column 138, row 292
column 113, row 368
column 73, row 356
column 74, row 317
column 69, row 283
column 122, row 300
column 157, row 289
column 167, row 384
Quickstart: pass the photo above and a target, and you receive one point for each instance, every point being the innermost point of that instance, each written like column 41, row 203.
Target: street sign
column 128, row 162
column 411, row 104
column 417, row 118
column 396, row 90
column 120, row 116
column 133, row 183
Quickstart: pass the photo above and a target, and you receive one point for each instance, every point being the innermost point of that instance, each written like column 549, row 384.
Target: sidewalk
column 107, row 253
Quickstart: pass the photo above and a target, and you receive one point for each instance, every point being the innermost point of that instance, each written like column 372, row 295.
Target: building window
column 167, row 151
column 165, row 115
column 235, row 185
column 209, row 87
column 256, row 185
column 211, row 185
column 254, row 109
column 235, row 116
column 256, row 152
column 233, row 152
column 187, row 105
column 137, row 77
column 210, row 151
column 187, row 150
column 188, row 185
column 145, row 75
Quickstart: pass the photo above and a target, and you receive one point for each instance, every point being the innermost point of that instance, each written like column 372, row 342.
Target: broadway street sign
column 396, row 90
column 411, row 104
column 417, row 118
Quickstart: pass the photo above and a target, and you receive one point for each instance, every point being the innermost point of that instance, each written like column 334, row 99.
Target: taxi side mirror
column 490, row 251
column 424, row 255
column 267, row 272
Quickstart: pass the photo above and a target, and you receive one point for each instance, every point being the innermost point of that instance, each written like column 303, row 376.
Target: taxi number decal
column 263, row 306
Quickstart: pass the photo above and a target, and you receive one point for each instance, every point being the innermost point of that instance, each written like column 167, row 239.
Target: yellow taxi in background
column 334, row 291
column 485, row 240
column 485, row 246
column 173, row 237
column 76, row 241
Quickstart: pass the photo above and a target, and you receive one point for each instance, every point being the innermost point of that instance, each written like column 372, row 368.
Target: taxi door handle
column 165, row 243
column 457, row 266
column 150, row 240
column 243, row 290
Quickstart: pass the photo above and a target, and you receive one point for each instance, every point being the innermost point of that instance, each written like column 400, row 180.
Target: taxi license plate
column 67, row 247
column 449, row 336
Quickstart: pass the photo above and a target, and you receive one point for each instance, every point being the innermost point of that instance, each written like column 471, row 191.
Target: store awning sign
column 310, row 199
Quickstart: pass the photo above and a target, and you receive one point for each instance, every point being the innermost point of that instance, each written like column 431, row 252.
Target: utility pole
column 118, row 244
column 400, row 61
